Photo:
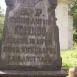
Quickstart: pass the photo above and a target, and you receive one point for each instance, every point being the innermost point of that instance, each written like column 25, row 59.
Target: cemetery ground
column 69, row 58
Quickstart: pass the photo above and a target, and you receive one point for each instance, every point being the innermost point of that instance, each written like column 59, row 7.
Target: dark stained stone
column 30, row 36
column 16, row 73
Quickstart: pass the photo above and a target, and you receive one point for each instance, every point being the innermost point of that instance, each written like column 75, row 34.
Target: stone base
column 15, row 73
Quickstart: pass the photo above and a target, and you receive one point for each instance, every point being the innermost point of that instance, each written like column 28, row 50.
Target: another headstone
column 65, row 24
column 31, row 37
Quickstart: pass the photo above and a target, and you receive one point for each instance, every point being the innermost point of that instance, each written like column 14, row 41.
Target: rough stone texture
column 31, row 37
column 13, row 73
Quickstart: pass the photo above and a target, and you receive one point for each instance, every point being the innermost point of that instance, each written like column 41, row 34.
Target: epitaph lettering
column 31, row 38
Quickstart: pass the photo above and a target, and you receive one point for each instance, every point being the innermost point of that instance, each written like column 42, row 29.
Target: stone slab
column 30, row 36
column 15, row 73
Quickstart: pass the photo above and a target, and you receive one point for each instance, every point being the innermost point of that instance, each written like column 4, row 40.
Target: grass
column 69, row 58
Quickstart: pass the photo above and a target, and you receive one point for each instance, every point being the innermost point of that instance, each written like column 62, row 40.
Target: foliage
column 73, row 12
column 1, row 22
column 1, row 12
column 75, row 38
column 69, row 58
column 1, row 26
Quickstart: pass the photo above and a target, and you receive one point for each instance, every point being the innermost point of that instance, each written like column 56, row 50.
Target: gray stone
column 15, row 73
column 30, row 36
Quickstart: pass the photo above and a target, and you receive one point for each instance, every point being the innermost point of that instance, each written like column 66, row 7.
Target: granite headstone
column 30, row 36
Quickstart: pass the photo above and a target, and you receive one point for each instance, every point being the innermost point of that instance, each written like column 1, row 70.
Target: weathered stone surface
column 31, row 37
column 14, row 73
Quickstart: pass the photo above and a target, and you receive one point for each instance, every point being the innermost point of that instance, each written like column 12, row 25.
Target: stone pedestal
column 14, row 73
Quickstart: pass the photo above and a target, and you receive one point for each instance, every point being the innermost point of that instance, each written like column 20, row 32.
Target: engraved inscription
column 30, row 37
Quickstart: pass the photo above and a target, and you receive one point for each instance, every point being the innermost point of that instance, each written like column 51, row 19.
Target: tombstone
column 65, row 25
column 30, row 36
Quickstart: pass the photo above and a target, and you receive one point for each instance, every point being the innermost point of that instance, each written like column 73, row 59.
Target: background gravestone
column 31, row 37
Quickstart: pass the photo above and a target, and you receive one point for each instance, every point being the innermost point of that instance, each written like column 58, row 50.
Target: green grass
column 69, row 58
